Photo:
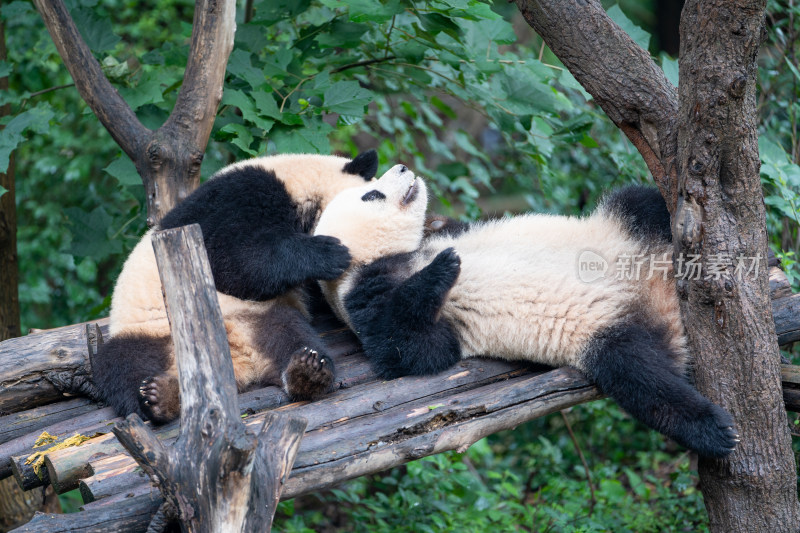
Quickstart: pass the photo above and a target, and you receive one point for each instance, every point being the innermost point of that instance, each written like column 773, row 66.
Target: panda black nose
column 403, row 168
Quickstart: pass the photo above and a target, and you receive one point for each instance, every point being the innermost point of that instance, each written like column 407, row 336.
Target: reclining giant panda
column 256, row 217
column 511, row 288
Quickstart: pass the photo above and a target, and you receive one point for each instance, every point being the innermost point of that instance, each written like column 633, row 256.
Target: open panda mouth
column 411, row 193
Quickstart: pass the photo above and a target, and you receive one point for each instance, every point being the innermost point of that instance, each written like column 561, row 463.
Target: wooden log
column 214, row 449
column 33, row 420
column 97, row 421
column 109, row 476
column 131, row 515
column 786, row 314
column 42, row 363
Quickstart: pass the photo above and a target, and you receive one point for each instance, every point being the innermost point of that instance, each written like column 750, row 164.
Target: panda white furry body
column 510, row 288
column 256, row 216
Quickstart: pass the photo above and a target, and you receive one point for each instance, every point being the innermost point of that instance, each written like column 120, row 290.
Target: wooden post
column 239, row 475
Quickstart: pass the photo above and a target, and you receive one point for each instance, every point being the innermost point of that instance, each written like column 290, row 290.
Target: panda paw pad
column 159, row 398
column 309, row 374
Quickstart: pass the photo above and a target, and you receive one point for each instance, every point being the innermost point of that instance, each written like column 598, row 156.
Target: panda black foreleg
column 136, row 374
column 631, row 363
column 296, row 359
column 402, row 331
column 269, row 264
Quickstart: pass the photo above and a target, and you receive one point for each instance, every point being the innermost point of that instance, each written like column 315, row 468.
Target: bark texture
column 168, row 159
column 721, row 213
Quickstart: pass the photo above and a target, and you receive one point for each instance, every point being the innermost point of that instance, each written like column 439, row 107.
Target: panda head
column 310, row 178
column 385, row 216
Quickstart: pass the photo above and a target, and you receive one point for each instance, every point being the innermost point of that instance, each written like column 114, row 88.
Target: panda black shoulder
column 642, row 210
column 237, row 197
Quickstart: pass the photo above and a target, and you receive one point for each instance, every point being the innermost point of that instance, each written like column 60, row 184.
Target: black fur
column 397, row 317
column 643, row 210
column 365, row 165
column 255, row 236
column 632, row 363
column 123, row 362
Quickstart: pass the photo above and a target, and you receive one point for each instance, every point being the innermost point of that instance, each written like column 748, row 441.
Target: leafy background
column 460, row 90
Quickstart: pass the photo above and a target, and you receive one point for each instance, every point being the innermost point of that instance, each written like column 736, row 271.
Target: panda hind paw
column 159, row 398
column 309, row 375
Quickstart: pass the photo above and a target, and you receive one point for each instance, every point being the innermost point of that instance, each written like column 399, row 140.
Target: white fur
column 519, row 295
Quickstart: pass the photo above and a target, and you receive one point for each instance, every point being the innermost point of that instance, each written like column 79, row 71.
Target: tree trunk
column 720, row 217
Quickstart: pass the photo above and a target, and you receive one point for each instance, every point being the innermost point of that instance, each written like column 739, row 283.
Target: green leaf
column 248, row 108
column 367, row 10
column 242, row 137
column 342, row 35
column 96, row 31
column 346, row 98
column 771, row 152
column 266, row 105
column 612, row 489
column 124, row 171
column 3, row 190
column 90, row 233
column 311, row 139
column 792, row 68
column 5, row 69
column 670, row 68
column 36, row 119
column 240, row 65
column 148, row 91
column 17, row 10
column 269, row 11
column 521, row 92
column 641, row 37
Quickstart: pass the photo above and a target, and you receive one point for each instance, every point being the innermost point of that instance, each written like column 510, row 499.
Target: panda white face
column 382, row 217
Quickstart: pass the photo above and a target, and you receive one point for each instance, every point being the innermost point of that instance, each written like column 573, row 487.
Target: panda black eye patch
column 373, row 195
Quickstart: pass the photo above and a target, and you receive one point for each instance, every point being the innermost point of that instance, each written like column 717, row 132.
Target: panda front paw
column 159, row 398
column 331, row 257
column 445, row 268
column 309, row 375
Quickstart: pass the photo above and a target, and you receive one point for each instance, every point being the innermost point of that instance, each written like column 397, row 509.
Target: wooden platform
column 365, row 426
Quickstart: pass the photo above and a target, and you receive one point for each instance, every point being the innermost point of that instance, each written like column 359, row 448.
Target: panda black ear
column 364, row 165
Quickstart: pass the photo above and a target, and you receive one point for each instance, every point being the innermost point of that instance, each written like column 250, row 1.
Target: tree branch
column 93, row 86
column 619, row 74
column 168, row 160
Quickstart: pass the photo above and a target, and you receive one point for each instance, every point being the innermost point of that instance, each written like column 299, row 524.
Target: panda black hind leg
column 632, row 363
column 297, row 358
column 136, row 374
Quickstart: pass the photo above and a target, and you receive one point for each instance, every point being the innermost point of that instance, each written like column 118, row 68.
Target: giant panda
column 256, row 217
column 513, row 288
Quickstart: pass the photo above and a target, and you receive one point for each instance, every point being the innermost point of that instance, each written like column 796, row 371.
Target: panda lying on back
column 510, row 289
column 255, row 216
